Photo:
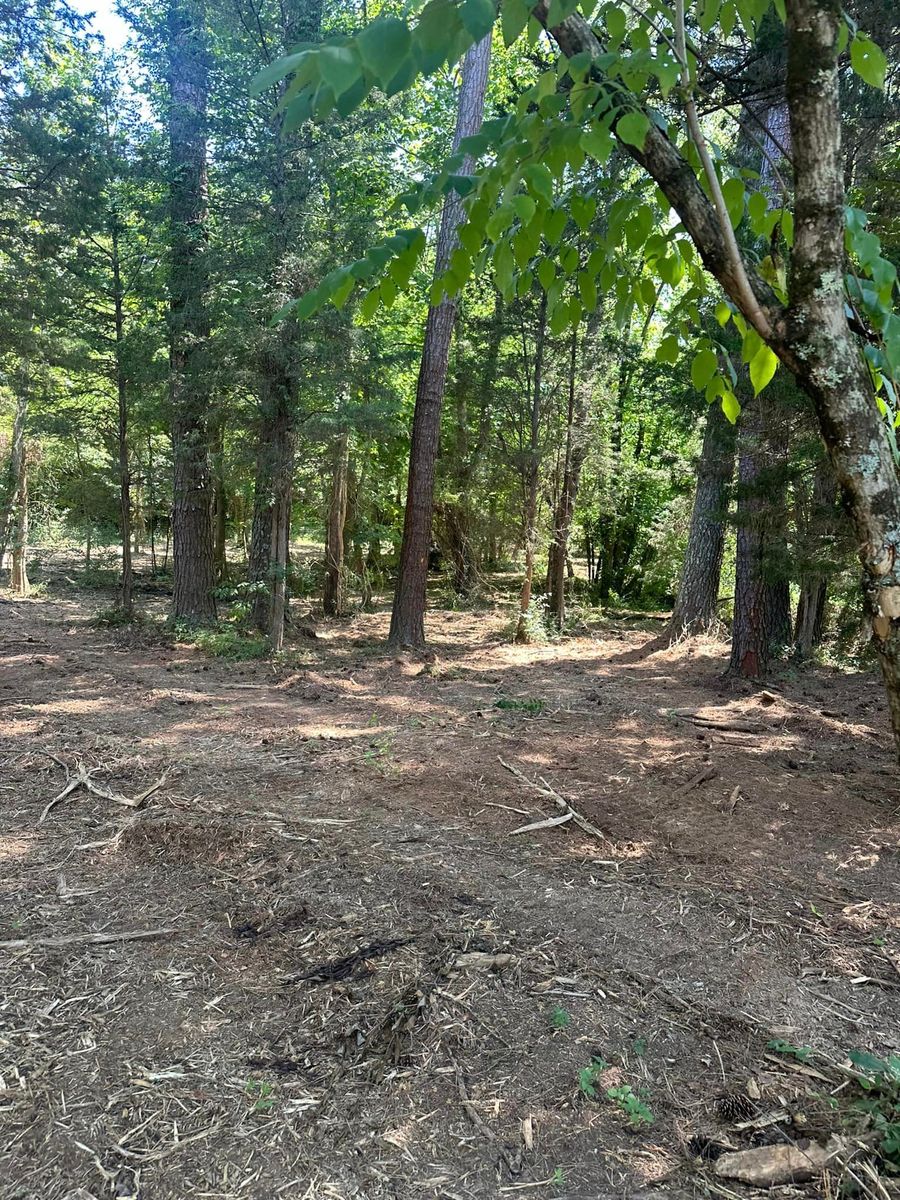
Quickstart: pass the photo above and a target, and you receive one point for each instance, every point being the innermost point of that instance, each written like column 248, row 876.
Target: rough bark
column 334, row 601
column 581, row 381
column 408, row 614
column 270, row 534
column 532, row 475
column 809, row 625
column 811, row 335
column 126, row 590
column 189, row 386
column 695, row 609
column 751, row 633
column 14, row 472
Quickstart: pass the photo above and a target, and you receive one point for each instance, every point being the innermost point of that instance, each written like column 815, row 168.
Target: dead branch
column 544, row 789
column 87, row 939
column 82, row 778
column 702, row 776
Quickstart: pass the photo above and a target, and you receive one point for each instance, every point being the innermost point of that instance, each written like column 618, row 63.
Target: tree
column 696, row 606
column 408, row 613
column 192, row 537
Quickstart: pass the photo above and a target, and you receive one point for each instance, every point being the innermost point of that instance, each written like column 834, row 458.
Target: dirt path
column 370, row 986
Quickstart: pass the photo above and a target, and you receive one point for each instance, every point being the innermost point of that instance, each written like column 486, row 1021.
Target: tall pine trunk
column 334, row 601
column 272, row 498
column 408, row 614
column 751, row 633
column 15, row 473
column 126, row 593
column 581, row 381
column 189, row 385
column 532, row 475
column 809, row 625
column 695, row 609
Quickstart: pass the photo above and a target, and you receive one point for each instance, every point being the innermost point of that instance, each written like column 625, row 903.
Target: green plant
column 262, row 1094
column 558, row 1177
column 632, row 1105
column 559, row 1018
column 222, row 641
column 801, row 1053
column 879, row 1080
column 114, row 618
column 630, row 1102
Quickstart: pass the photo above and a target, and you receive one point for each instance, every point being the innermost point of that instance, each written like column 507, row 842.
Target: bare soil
column 358, row 980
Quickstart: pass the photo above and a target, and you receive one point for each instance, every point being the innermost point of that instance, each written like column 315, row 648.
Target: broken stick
column 82, row 778
column 545, row 789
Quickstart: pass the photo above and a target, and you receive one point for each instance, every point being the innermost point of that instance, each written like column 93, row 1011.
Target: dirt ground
column 358, row 980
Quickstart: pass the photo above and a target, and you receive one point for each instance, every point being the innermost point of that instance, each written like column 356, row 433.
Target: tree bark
column 408, row 614
column 809, row 626
column 219, row 500
column 811, row 335
column 272, row 499
column 126, row 592
column 189, row 386
column 695, row 609
column 581, row 381
column 532, row 475
column 751, row 632
column 14, row 472
column 334, row 601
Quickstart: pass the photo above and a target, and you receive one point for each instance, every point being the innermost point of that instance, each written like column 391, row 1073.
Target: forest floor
column 358, row 980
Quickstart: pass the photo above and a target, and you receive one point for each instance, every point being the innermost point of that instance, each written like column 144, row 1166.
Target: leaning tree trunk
column 581, row 384
column 189, row 376
column 127, row 586
column 334, row 598
column 532, row 476
column 695, row 609
column 751, row 632
column 14, row 474
column 408, row 614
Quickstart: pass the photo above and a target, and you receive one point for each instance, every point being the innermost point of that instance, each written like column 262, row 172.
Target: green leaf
column 340, row 68
column 382, row 45
column 723, row 313
column 733, row 192
column 703, row 368
column 668, row 350
column 598, row 143
column 369, row 304
column 555, row 224
column 583, row 210
column 763, row 366
column 309, row 304
column 559, row 10
column 478, row 17
column 731, row 407
column 539, row 181
column 546, row 273
column 868, row 61
column 276, row 71
column 514, row 16
column 616, row 23
column 524, row 207
column 341, row 293
column 632, row 128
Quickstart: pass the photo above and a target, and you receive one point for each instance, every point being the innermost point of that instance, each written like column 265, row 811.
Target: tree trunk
column 19, row 574
column 334, row 598
column 532, row 476
column 272, row 494
column 408, row 614
column 809, row 626
column 581, row 381
column 126, row 594
column 698, row 592
column 751, row 633
column 219, row 501
column 192, row 540
column 14, row 472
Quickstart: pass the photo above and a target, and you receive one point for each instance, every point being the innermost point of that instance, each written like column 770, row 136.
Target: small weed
column 801, row 1053
column 558, row 1178
column 879, row 1080
column 532, row 706
column 630, row 1102
column 639, row 1046
column 262, row 1094
column 114, row 618
column 559, row 1018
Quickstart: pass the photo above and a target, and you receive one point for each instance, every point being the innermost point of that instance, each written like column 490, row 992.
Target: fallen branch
column 736, row 724
column 544, row 788
column 548, row 824
column 513, row 1161
column 702, row 776
column 88, row 939
column 82, row 778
